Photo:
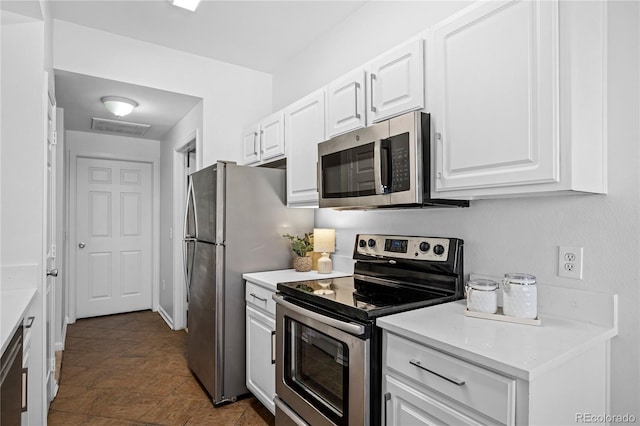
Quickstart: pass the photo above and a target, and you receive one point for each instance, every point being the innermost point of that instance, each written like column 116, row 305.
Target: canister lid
column 522, row 279
column 481, row 284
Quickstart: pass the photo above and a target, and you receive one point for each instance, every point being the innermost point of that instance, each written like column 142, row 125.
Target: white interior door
column 114, row 237
column 50, row 235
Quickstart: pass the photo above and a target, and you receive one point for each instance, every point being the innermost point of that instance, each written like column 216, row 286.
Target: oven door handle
column 348, row 327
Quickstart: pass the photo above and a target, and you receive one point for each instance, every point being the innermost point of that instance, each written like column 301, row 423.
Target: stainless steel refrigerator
column 234, row 222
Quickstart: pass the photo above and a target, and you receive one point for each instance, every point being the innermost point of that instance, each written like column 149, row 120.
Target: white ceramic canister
column 520, row 296
column 482, row 296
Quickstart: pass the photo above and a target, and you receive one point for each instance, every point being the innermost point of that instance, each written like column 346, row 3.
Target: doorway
column 187, row 158
column 112, row 246
column 114, row 234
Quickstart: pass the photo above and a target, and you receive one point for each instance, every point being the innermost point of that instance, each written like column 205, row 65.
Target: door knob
column 81, row 245
column 52, row 273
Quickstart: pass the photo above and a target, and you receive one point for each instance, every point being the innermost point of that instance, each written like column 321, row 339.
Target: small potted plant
column 301, row 248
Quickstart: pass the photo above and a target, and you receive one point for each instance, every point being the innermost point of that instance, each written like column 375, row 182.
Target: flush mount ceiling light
column 191, row 5
column 119, row 106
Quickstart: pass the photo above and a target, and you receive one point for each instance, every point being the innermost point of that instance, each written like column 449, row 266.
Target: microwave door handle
column 377, row 175
column 385, row 165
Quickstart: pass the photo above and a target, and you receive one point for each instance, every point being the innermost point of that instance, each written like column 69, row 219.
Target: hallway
column 131, row 369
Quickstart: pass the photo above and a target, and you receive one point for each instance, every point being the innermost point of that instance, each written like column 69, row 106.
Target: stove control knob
column 372, row 242
column 438, row 249
column 362, row 243
column 424, row 246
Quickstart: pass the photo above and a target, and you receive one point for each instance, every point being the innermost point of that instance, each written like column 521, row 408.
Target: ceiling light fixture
column 191, row 5
column 119, row 106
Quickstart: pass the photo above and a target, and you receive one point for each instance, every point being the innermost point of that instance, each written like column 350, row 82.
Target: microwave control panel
column 403, row 247
column 398, row 162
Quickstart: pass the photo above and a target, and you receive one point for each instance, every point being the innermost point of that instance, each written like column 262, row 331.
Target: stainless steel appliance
column 387, row 164
column 234, row 223
column 328, row 348
column 11, row 382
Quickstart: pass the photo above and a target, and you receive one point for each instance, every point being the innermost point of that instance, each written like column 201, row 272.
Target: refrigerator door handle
column 187, row 237
column 187, row 278
column 190, row 197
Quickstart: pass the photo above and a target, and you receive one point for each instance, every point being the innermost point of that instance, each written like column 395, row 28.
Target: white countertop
column 13, row 306
column 270, row 279
column 523, row 351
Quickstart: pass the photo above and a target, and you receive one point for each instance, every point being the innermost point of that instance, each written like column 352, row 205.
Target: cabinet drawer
column 260, row 297
column 481, row 390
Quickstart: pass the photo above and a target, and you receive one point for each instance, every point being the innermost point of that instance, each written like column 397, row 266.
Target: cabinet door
column 405, row 405
column 304, row 129
column 345, row 103
column 261, row 367
column 272, row 136
column 396, row 82
column 251, row 144
column 495, row 96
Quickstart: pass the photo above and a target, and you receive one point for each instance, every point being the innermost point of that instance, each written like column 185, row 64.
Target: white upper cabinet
column 304, row 129
column 513, row 110
column 346, row 109
column 251, row 144
column 264, row 141
column 396, row 82
column 272, row 136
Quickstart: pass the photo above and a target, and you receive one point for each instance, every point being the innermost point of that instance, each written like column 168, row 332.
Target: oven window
column 349, row 173
column 316, row 366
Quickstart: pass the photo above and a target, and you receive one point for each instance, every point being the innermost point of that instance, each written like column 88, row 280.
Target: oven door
column 322, row 367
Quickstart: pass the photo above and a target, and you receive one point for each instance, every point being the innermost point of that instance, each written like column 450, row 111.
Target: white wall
column 371, row 30
column 22, row 95
column 175, row 138
column 519, row 234
column 232, row 96
column 117, row 147
column 22, row 143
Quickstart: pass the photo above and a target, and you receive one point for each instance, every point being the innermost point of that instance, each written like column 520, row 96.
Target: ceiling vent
column 117, row 127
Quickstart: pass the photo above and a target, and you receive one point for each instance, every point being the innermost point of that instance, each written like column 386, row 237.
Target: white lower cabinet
column 260, row 341
column 425, row 386
column 408, row 404
column 29, row 398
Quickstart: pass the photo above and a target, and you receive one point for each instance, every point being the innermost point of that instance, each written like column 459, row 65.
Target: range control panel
column 403, row 247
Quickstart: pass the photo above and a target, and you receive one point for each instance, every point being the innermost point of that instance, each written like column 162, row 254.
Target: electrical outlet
column 570, row 262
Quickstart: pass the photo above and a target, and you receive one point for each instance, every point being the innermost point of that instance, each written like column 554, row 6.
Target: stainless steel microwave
column 387, row 164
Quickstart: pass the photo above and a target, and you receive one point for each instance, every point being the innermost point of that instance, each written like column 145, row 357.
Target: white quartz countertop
column 270, row 279
column 13, row 306
column 523, row 351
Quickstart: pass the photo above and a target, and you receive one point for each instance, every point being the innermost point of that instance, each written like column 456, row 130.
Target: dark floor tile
column 131, row 369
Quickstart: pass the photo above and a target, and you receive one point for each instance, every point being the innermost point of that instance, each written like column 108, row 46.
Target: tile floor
column 131, row 369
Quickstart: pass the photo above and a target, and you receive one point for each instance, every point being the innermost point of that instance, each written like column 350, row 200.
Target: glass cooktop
column 360, row 299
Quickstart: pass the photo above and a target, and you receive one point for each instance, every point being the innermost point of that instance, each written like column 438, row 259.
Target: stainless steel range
column 328, row 348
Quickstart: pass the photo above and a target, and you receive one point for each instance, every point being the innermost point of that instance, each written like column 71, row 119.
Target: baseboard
column 166, row 317
column 59, row 346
